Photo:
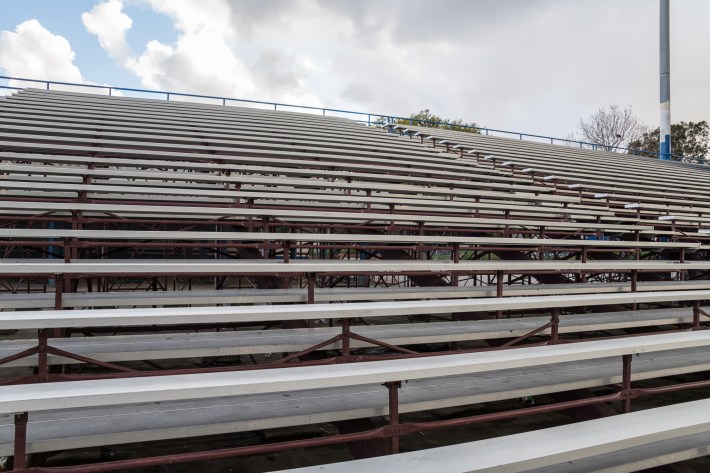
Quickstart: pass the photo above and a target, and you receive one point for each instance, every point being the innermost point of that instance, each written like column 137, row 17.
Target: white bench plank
column 186, row 315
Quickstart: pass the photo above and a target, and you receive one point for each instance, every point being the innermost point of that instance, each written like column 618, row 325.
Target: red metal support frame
column 311, row 288
column 499, row 291
column 58, row 299
column 311, row 295
column 346, row 336
column 531, row 333
column 20, row 447
column 393, row 396
column 42, row 363
column 555, row 326
column 626, row 383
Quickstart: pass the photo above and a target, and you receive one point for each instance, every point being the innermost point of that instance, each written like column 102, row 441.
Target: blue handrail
column 372, row 118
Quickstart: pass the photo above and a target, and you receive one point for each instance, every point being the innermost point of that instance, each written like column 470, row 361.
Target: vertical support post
column 345, row 324
column 311, row 288
column 696, row 315
column 634, row 286
column 311, row 295
column 393, row 389
column 42, row 362
column 499, row 291
column 58, row 291
column 59, row 287
column 626, row 383
column 456, row 257
column 555, row 326
column 665, row 76
column 20, row 453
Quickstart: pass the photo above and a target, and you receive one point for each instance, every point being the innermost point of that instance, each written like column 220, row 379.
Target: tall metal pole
column 665, row 69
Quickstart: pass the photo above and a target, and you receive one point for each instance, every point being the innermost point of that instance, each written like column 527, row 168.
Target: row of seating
column 59, row 410
column 211, row 297
column 161, row 346
column 629, row 442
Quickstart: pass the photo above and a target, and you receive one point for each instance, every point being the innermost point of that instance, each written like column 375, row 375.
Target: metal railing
column 371, row 119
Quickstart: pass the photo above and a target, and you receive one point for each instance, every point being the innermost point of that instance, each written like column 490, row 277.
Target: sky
column 535, row 66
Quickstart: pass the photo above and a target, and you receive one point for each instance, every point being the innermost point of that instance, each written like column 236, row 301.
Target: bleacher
column 321, row 258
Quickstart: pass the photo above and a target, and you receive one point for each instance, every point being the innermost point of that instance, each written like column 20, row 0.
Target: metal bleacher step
column 233, row 343
column 193, row 405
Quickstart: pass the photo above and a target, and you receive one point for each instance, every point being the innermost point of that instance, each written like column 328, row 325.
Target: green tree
column 427, row 119
column 688, row 139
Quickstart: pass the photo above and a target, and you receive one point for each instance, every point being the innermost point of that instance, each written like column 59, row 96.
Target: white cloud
column 197, row 62
column 109, row 24
column 531, row 66
column 32, row 51
column 209, row 56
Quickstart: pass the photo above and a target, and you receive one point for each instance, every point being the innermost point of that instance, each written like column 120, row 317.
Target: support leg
column 555, row 326
column 20, row 453
column 42, row 363
column 393, row 388
column 626, row 383
column 499, row 291
column 311, row 295
column 346, row 337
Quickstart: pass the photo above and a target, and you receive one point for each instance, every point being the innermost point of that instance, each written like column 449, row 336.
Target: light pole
column 665, row 70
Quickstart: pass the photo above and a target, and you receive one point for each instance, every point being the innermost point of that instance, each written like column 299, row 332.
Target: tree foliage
column 427, row 119
column 689, row 139
column 611, row 128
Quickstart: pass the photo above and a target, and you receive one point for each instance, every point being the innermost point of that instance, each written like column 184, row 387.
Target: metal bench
column 242, row 387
